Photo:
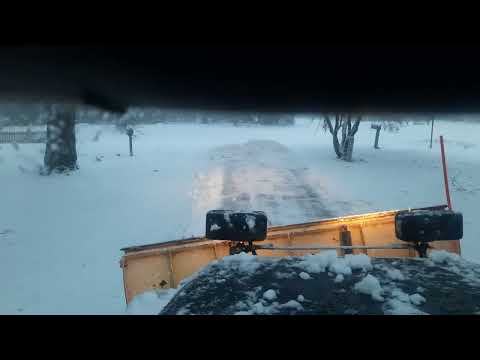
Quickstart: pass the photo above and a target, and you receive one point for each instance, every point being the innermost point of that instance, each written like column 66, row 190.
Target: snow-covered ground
column 60, row 235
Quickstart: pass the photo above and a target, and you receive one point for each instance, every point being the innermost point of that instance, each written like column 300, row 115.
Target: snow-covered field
column 60, row 236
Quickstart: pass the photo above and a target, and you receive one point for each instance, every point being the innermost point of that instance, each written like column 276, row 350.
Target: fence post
column 130, row 135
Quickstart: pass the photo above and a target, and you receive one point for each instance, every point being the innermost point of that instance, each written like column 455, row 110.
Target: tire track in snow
column 258, row 175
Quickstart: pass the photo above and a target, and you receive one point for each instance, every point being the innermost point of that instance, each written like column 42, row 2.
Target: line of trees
column 27, row 114
column 60, row 152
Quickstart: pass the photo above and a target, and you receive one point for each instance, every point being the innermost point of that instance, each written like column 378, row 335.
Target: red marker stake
column 445, row 175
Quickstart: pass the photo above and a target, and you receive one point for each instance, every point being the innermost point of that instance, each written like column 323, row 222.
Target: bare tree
column 349, row 128
column 60, row 150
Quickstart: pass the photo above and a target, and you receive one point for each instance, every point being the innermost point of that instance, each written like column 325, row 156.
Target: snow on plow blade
column 165, row 265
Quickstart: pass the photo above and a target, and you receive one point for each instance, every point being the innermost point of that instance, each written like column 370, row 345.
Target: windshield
column 79, row 184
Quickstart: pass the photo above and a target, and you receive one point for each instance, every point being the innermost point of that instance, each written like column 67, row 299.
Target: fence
column 23, row 137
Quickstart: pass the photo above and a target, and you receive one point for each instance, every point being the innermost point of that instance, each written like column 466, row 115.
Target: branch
column 344, row 131
column 338, row 122
column 356, row 125
column 329, row 124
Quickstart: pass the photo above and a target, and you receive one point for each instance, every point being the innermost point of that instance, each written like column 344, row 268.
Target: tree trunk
column 344, row 135
column 347, row 146
column 334, row 132
column 336, row 146
column 60, row 151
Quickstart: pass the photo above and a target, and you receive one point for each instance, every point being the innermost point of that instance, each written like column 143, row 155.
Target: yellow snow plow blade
column 165, row 265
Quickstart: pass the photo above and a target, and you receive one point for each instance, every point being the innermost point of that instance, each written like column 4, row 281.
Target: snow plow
column 395, row 234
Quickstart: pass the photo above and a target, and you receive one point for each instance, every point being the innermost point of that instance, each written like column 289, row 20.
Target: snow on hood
column 470, row 272
column 329, row 260
column 264, row 300
column 370, row 285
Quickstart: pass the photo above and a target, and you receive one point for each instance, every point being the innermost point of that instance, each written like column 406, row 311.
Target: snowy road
column 259, row 176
